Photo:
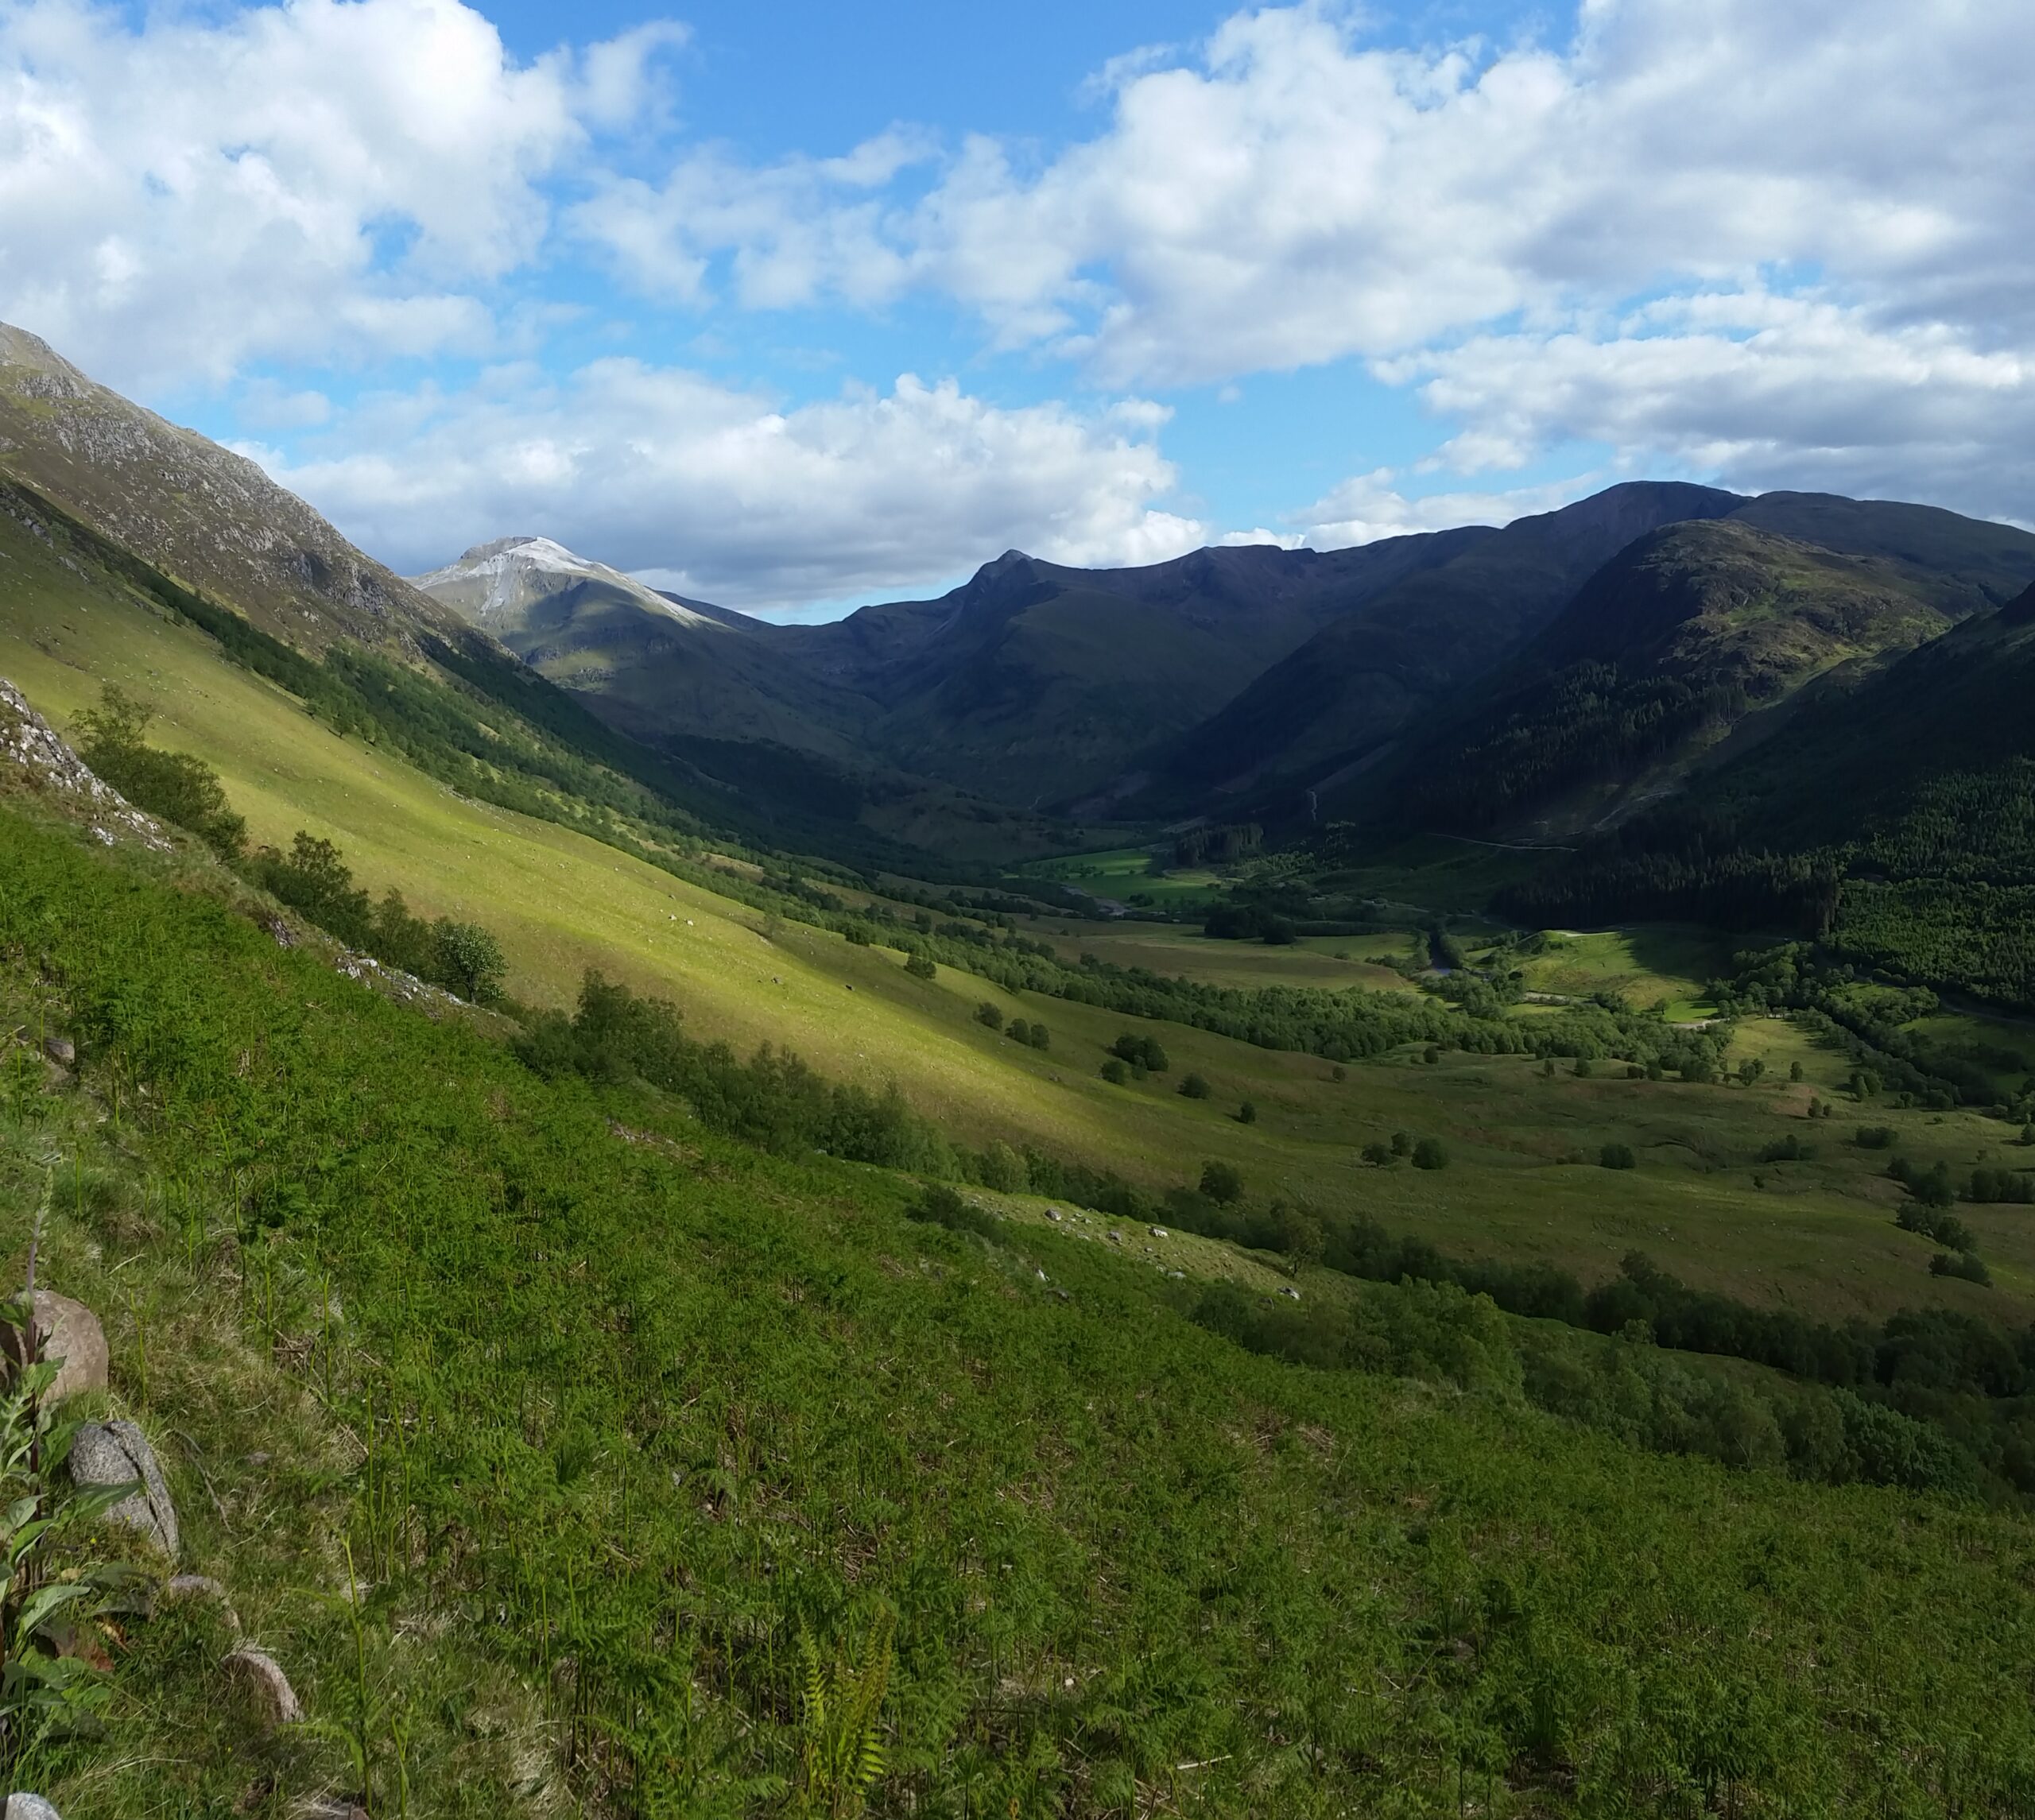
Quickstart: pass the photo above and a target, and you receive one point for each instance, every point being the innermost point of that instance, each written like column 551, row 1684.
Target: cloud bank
column 1770, row 245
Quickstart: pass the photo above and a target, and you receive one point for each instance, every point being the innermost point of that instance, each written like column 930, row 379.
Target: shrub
column 1115, row 1073
column 1378, row 1155
column 990, row 1015
column 920, row 967
column 1247, row 1113
column 1966, row 1265
column 1402, row 1143
column 1194, row 1087
column 1875, row 1137
column 1618, row 1156
column 1221, row 1183
column 1788, row 1150
column 1429, row 1154
column 1038, row 1036
column 940, row 1206
column 174, row 785
column 469, row 959
column 1140, row 1051
column 1582, row 1070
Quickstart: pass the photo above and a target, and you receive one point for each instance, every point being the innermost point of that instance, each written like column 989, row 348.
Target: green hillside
column 653, row 1448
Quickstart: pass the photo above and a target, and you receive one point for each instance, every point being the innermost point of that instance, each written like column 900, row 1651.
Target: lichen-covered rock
column 30, row 1808
column 69, row 1331
column 258, row 1673
column 118, row 1453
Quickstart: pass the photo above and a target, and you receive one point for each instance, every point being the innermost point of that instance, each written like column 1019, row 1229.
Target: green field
column 1135, row 875
column 1654, row 965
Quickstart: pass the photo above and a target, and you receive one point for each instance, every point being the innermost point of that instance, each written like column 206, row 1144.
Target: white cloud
column 737, row 500
column 307, row 180
column 1369, row 506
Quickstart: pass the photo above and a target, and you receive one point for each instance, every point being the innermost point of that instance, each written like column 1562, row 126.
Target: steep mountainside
column 208, row 518
column 1683, row 636
column 1896, row 818
column 1371, row 674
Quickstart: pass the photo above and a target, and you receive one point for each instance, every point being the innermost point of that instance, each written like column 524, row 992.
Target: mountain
column 653, row 664
column 1687, row 636
column 200, row 514
column 1035, row 682
column 1340, row 698
column 1896, row 820
column 1351, row 698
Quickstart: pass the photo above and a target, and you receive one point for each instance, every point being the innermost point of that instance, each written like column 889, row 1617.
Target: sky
column 795, row 306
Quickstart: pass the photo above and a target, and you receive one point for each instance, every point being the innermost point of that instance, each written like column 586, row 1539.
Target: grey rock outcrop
column 30, row 1808
column 118, row 1453
column 275, row 1701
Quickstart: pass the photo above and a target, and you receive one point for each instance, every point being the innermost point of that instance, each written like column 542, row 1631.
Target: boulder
column 30, row 1808
column 118, row 1453
column 71, row 1332
column 61, row 1050
column 255, row 1670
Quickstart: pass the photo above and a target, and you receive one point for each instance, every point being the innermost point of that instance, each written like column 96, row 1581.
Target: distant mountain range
column 1551, row 679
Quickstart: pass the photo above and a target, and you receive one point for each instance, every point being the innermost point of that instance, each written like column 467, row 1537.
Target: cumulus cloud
column 1369, row 506
column 728, row 497
column 181, row 198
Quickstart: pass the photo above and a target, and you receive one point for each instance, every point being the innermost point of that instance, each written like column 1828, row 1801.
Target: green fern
column 841, row 1742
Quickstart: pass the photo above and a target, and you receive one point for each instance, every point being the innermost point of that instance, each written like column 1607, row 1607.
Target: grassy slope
column 669, row 1408
column 561, row 902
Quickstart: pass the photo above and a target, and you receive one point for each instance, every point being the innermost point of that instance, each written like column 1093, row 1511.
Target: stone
column 61, row 1050
column 118, row 1453
column 1158, row 1232
column 274, row 1699
column 30, row 1808
column 330, row 1807
column 203, row 1587
column 1290, row 1293
column 70, row 1332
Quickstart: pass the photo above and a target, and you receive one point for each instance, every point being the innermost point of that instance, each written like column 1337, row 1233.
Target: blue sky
column 796, row 306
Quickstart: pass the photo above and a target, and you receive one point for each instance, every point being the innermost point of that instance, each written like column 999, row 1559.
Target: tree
column 1039, row 1037
column 1221, row 1183
column 1583, row 1067
column 1795, row 1072
column 1617, row 1156
column 1750, row 1071
column 920, row 967
column 1247, row 1113
column 990, row 1014
column 470, row 959
column 1402, row 1143
column 1116, row 1073
column 1194, row 1087
column 1429, row 1154
column 174, row 785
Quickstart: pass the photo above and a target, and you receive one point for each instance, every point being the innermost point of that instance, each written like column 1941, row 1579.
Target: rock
column 203, row 1587
column 330, row 1807
column 117, row 1454
column 61, row 1050
column 70, row 1332
column 1053, row 1215
column 30, row 1808
column 1291, row 1293
column 274, row 1699
column 1158, row 1232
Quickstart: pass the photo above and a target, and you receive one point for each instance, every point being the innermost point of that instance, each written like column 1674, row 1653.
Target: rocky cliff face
column 208, row 518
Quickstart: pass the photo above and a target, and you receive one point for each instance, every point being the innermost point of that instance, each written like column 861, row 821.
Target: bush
column 1875, row 1137
column 920, row 967
column 1247, row 1113
column 1429, row 1154
column 940, row 1206
column 1221, row 1183
column 1115, row 1073
column 1618, row 1156
column 469, row 959
column 1378, row 1155
column 1140, row 1051
column 1402, row 1143
column 990, row 1015
column 1788, row 1150
column 1966, row 1265
column 1194, row 1087
column 1037, row 1035
column 174, row 785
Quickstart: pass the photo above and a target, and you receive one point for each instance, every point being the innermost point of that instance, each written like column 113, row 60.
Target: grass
column 1129, row 875
column 1170, row 950
column 618, row 1419
column 1648, row 965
